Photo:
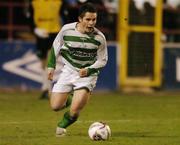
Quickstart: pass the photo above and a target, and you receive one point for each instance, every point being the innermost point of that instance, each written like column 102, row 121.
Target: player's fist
column 50, row 73
column 83, row 72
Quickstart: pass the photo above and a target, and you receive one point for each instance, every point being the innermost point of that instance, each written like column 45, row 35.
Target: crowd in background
column 108, row 10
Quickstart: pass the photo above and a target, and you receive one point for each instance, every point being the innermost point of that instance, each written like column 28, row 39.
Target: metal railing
column 10, row 27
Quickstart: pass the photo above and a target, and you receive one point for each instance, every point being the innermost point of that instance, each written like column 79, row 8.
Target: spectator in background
column 44, row 19
column 112, row 11
column 171, row 20
column 69, row 11
column 173, row 3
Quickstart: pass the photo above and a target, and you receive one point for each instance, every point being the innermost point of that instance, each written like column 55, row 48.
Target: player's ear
column 80, row 19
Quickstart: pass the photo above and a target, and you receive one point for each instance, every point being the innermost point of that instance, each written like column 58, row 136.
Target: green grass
column 134, row 119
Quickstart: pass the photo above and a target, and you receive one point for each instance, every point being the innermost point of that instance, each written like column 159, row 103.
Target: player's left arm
column 102, row 58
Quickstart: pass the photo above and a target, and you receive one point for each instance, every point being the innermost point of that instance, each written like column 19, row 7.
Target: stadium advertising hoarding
column 172, row 68
column 20, row 67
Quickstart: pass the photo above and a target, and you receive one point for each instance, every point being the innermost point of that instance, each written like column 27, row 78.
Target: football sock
column 69, row 100
column 67, row 120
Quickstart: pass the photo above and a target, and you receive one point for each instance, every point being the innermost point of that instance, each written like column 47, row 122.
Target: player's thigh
column 58, row 100
column 80, row 98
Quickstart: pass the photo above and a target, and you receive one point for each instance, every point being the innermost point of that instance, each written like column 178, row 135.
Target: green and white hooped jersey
column 79, row 50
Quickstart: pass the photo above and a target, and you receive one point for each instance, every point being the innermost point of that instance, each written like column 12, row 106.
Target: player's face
column 88, row 22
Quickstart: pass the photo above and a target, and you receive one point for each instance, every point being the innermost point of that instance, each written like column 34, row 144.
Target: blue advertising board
column 20, row 67
column 108, row 77
column 172, row 68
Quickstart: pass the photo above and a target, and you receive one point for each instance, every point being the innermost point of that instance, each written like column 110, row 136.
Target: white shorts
column 69, row 80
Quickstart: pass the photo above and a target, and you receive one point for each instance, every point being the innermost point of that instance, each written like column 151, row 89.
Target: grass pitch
column 134, row 119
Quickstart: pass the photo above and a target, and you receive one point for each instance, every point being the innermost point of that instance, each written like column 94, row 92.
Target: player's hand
column 42, row 33
column 50, row 72
column 83, row 72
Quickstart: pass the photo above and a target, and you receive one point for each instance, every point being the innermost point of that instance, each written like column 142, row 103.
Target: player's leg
column 83, row 87
column 69, row 79
column 58, row 100
column 80, row 98
column 46, row 84
column 44, row 47
column 42, row 50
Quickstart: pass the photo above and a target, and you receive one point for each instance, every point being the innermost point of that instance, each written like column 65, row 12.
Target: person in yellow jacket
column 45, row 22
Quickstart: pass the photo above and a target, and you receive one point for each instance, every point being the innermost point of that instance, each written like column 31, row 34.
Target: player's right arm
column 54, row 53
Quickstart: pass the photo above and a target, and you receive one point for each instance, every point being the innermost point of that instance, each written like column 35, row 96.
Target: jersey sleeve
column 58, row 42
column 102, row 58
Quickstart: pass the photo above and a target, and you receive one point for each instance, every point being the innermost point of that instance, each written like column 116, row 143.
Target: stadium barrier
column 171, row 67
column 20, row 67
column 139, row 36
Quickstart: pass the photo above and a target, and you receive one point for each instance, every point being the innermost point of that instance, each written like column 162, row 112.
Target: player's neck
column 80, row 28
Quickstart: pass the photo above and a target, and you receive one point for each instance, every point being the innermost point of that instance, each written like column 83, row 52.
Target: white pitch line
column 86, row 121
column 79, row 121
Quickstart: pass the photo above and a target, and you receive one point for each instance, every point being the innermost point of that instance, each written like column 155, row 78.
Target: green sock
column 67, row 120
column 69, row 100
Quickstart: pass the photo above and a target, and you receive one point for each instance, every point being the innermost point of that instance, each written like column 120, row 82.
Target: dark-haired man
column 83, row 50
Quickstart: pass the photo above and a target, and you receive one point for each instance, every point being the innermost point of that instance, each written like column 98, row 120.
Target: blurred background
column 143, row 44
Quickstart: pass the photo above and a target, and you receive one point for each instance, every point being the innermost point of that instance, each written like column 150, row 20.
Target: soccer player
column 83, row 50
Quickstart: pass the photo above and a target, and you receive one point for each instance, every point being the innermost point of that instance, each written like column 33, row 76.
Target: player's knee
column 56, row 107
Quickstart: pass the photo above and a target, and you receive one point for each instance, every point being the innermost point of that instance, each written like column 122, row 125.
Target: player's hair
column 87, row 7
